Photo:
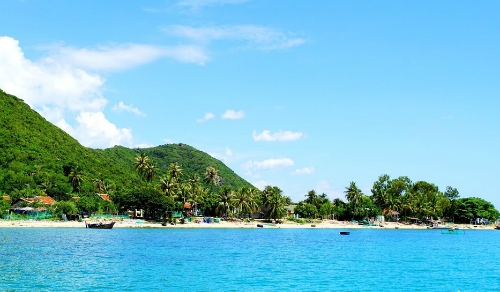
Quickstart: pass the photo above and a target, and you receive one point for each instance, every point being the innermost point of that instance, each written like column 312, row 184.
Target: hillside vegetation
column 37, row 158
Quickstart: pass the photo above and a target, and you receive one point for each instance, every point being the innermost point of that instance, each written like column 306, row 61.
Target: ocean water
column 70, row 259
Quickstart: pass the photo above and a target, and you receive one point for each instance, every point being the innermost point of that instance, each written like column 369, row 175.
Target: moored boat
column 100, row 225
column 344, row 232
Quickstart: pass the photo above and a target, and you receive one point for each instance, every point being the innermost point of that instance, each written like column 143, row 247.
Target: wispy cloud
column 305, row 170
column 115, row 57
column 233, row 115
column 225, row 157
column 196, row 4
column 260, row 184
column 282, row 136
column 61, row 93
column 270, row 163
column 258, row 37
column 128, row 108
column 206, row 117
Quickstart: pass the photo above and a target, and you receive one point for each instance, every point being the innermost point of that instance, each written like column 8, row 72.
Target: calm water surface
column 60, row 259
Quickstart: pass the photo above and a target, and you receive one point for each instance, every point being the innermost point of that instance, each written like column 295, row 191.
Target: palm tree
column 75, row 178
column 140, row 163
column 266, row 194
column 184, row 192
column 198, row 196
column 212, row 176
column 99, row 185
column 312, row 197
column 225, row 197
column 168, row 186
column 354, row 195
column 275, row 205
column 245, row 201
column 175, row 170
column 150, row 171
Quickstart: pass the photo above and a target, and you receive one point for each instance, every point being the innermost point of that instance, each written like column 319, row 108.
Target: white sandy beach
column 130, row 223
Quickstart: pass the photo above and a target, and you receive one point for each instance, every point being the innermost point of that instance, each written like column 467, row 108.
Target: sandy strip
column 226, row 224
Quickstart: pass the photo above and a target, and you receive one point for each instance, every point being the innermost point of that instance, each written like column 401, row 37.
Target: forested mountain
column 37, row 157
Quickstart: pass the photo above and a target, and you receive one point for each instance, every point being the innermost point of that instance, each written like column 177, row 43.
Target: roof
column 391, row 212
column 6, row 198
column 46, row 200
column 187, row 205
column 76, row 199
column 105, row 197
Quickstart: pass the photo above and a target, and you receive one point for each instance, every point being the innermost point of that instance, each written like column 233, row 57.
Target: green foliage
column 38, row 158
column 63, row 207
column 4, row 206
column 306, row 210
column 470, row 208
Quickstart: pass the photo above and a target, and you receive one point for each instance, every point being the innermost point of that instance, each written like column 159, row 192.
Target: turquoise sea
column 138, row 259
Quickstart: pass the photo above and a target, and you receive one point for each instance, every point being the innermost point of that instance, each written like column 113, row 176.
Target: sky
column 302, row 95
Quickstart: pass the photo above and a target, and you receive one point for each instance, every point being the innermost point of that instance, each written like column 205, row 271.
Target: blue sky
column 296, row 94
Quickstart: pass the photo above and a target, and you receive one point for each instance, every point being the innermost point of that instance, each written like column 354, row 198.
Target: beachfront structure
column 105, row 197
column 45, row 201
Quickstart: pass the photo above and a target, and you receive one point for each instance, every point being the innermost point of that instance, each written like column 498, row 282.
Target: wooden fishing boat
column 100, row 225
column 344, row 232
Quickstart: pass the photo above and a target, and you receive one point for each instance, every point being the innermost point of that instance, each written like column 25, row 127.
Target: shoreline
column 325, row 224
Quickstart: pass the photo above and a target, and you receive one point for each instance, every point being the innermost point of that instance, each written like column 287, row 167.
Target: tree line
column 163, row 194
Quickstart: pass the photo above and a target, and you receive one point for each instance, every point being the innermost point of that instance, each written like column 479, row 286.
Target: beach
column 134, row 223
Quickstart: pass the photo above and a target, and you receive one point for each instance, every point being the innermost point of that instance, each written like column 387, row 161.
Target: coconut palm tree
column 75, row 178
column 175, row 170
column 276, row 205
column 212, row 176
column 150, row 172
column 354, row 195
column 141, row 161
column 225, row 198
column 198, row 195
column 184, row 192
column 312, row 197
column 168, row 186
column 245, row 201
column 99, row 185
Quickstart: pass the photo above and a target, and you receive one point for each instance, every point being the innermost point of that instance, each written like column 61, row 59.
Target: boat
column 497, row 227
column 260, row 225
column 344, row 232
column 453, row 231
column 100, row 225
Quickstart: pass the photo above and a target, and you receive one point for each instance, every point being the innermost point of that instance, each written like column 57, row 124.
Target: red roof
column 6, row 198
column 46, row 200
column 105, row 197
column 187, row 205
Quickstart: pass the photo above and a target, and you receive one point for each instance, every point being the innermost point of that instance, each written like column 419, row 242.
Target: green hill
column 36, row 157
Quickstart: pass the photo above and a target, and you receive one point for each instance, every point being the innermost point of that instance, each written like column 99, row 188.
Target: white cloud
column 58, row 90
column 226, row 157
column 305, row 170
column 124, row 56
column 208, row 2
column 128, row 108
column 323, row 186
column 258, row 37
column 261, row 184
column 206, row 117
column 278, row 136
column 229, row 152
column 271, row 163
column 233, row 115
column 94, row 130
column 48, row 83
column 144, row 145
